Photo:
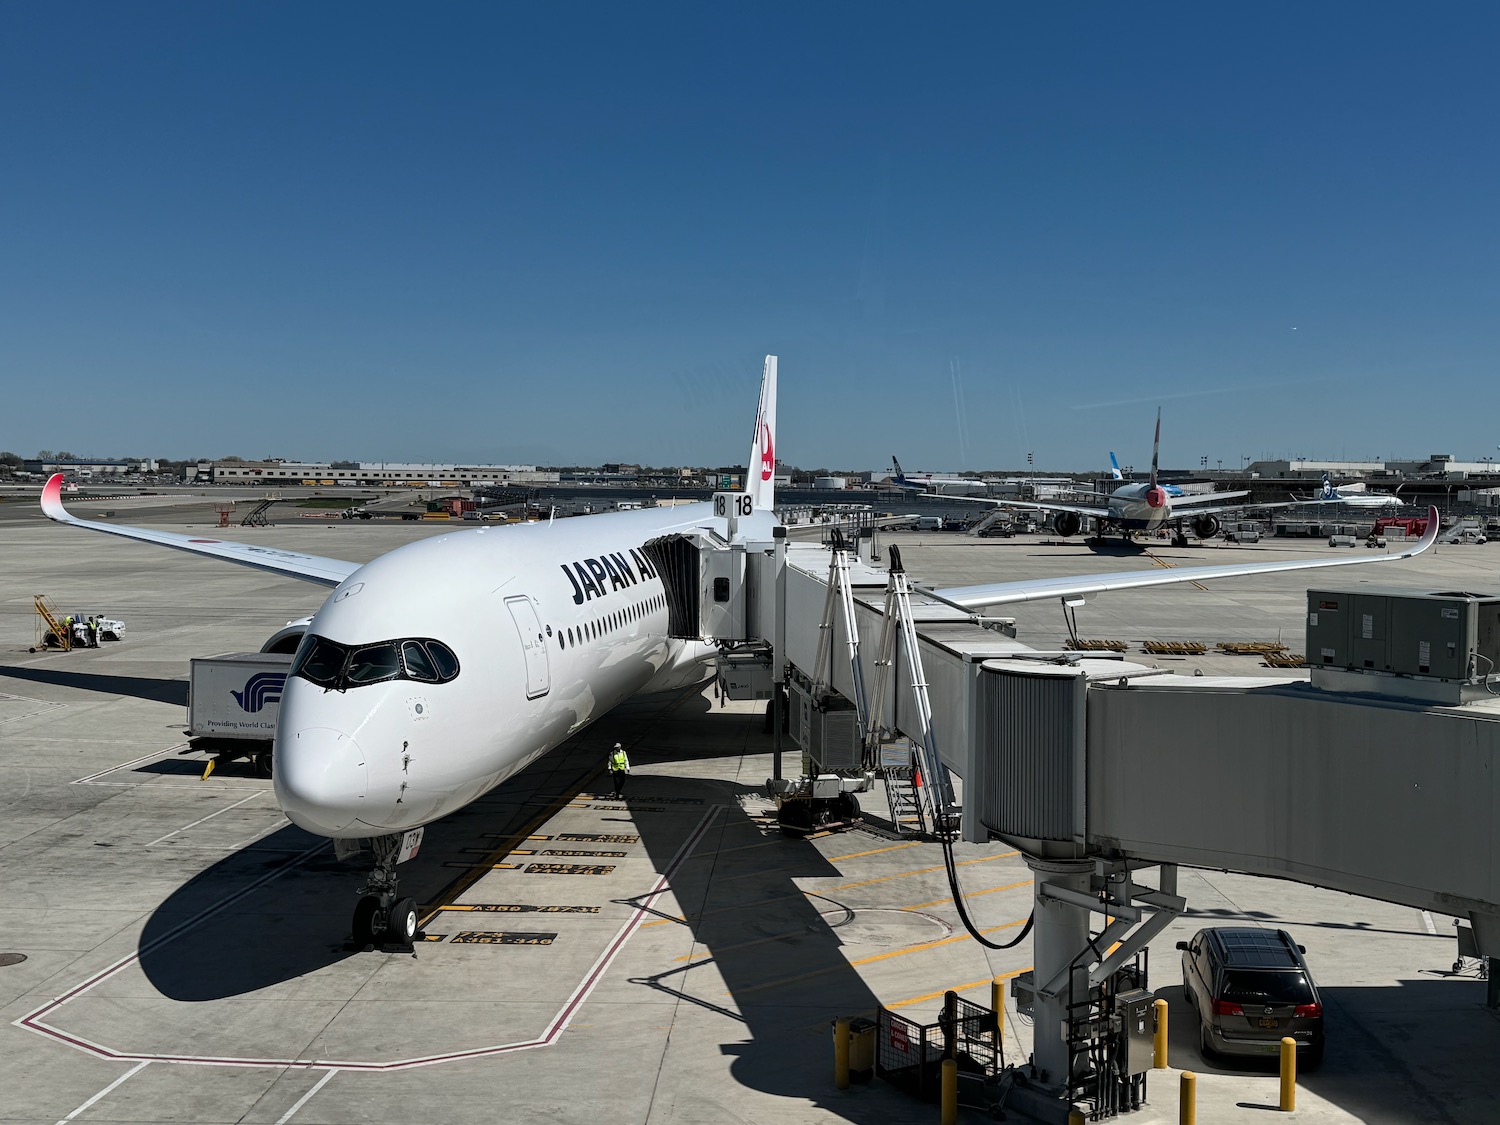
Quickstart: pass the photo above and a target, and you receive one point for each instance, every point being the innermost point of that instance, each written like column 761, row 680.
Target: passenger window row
column 600, row 626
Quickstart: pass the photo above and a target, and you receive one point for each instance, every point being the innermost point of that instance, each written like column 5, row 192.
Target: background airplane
column 1353, row 496
column 440, row 669
column 1144, row 506
column 939, row 486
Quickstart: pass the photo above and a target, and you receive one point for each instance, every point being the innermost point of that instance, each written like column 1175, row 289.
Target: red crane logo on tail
column 767, row 453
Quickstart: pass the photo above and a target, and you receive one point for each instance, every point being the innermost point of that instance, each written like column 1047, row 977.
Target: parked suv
column 1250, row 988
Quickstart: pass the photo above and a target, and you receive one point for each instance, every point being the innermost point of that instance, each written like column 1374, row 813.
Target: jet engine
column 1205, row 526
column 1067, row 523
column 288, row 637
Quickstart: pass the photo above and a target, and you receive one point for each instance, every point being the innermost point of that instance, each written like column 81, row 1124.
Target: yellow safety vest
column 618, row 761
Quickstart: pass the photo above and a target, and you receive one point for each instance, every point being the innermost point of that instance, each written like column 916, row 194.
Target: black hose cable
column 963, row 913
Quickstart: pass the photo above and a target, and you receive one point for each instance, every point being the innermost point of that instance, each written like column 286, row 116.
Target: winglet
column 1429, row 537
column 760, row 474
column 52, row 505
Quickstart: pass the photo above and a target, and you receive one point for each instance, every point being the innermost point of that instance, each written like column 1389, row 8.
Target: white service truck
column 233, row 703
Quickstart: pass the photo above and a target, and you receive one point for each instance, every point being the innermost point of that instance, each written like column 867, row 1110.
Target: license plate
column 1265, row 1022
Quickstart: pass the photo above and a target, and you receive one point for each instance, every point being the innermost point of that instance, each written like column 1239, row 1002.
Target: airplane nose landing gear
column 382, row 918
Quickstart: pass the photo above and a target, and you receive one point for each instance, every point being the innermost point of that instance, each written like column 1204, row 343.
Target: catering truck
column 233, row 702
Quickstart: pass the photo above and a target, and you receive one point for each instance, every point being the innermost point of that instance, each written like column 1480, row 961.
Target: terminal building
column 391, row 473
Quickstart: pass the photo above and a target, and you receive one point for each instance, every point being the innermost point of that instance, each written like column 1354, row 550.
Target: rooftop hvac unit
column 1441, row 645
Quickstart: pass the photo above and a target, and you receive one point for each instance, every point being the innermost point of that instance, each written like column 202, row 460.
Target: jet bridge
column 1377, row 776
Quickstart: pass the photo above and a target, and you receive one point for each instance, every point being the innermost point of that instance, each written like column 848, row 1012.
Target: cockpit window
column 373, row 663
column 336, row 666
column 319, row 660
column 442, row 656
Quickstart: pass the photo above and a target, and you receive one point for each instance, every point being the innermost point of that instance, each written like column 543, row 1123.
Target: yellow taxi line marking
column 973, row 984
column 971, row 894
column 677, row 918
column 875, row 851
column 921, row 948
column 1165, row 565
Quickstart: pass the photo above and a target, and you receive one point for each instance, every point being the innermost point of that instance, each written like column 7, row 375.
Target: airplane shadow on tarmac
column 137, row 687
column 773, row 974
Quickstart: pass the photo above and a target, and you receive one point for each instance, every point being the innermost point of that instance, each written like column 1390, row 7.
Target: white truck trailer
column 233, row 703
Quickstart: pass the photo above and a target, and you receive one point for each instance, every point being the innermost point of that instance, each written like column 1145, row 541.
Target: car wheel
column 1205, row 1047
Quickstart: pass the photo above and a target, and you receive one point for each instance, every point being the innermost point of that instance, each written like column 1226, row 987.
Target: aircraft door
column 529, row 628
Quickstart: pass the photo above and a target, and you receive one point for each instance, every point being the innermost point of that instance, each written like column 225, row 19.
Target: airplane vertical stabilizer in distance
column 760, row 473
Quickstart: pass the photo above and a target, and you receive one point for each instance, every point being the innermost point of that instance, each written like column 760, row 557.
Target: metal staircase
column 998, row 515
column 62, row 637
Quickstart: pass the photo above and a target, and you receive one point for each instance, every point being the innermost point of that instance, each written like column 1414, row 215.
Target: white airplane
column 1353, row 496
column 939, row 486
column 439, row 669
column 1144, row 507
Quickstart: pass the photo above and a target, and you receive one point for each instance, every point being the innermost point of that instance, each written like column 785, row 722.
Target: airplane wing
column 1030, row 590
column 1195, row 499
column 1002, row 502
column 309, row 568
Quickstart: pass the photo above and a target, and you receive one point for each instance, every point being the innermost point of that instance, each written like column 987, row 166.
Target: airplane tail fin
column 760, row 474
column 900, row 476
column 1328, row 489
column 1114, row 467
column 1155, row 447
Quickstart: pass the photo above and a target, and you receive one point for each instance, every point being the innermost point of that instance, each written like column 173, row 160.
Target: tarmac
column 665, row 957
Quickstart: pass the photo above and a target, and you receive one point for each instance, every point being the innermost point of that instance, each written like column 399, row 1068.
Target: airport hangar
column 143, row 896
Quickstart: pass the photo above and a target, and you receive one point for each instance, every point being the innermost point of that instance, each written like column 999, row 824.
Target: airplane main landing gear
column 382, row 917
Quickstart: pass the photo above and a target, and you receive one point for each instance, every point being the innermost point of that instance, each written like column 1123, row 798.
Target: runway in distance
column 440, row 669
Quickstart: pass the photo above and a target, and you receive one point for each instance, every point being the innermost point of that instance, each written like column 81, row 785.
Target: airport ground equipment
column 256, row 516
column 234, row 700
column 50, row 632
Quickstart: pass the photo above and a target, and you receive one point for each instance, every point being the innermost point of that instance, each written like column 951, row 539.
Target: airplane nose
column 321, row 779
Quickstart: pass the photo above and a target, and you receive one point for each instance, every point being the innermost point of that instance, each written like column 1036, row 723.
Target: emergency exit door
column 532, row 644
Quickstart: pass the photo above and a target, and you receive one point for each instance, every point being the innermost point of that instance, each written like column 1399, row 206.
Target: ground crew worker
column 619, row 768
column 93, row 632
column 66, row 640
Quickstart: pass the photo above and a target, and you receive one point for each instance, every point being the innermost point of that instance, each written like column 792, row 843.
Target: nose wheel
column 383, row 918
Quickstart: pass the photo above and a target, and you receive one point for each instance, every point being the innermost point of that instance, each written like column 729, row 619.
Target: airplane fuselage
column 550, row 626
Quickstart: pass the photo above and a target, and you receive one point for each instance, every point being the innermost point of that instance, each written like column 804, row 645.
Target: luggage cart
column 1469, row 959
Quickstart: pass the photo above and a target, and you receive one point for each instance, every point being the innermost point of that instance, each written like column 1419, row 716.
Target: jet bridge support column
column 1059, row 934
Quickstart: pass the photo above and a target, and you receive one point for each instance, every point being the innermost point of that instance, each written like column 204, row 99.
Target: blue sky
column 567, row 233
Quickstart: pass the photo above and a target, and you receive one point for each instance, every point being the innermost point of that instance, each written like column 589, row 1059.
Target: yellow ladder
column 64, row 638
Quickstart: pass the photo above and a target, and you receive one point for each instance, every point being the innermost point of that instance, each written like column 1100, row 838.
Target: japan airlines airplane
column 1354, row 496
column 436, row 671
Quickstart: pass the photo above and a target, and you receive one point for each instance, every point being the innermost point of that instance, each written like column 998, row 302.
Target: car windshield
column 336, row 666
column 1266, row 986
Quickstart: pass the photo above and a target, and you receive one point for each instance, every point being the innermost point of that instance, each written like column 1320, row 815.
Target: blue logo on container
column 260, row 689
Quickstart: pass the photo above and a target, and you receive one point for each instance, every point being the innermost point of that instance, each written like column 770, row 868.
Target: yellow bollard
column 1288, row 1074
column 1076, row 1117
column 1187, row 1099
column 950, row 1092
column 841, row 1053
column 1159, row 1046
column 997, row 1002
